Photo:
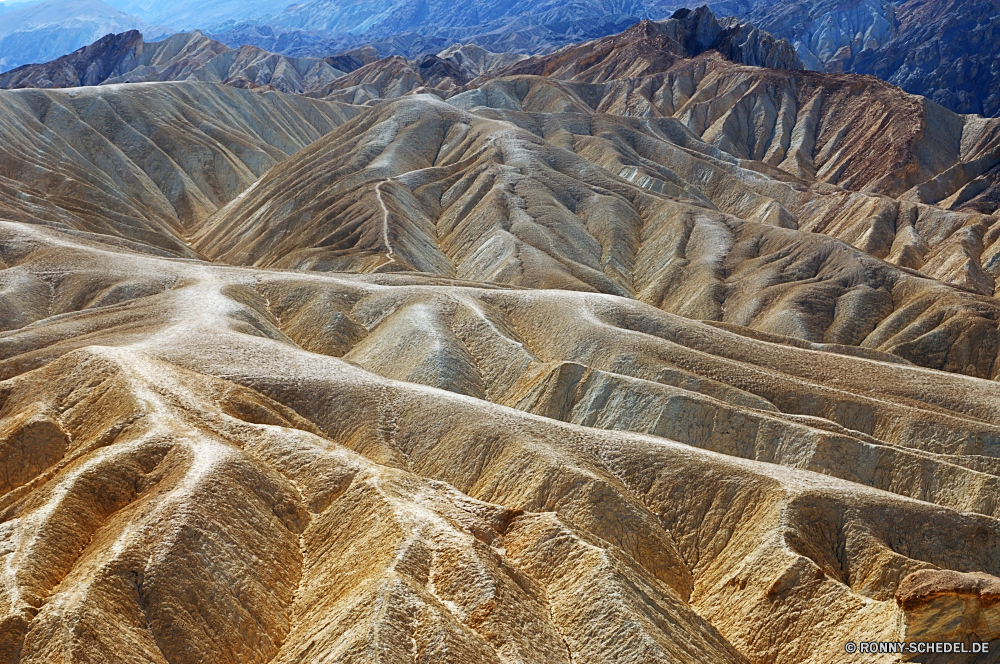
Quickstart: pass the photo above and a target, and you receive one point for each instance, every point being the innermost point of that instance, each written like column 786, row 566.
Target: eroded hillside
column 613, row 355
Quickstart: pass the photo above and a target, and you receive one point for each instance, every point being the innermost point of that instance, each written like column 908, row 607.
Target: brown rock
column 942, row 605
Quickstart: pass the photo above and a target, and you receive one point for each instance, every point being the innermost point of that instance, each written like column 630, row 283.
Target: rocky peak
column 109, row 56
column 435, row 70
column 700, row 28
column 699, row 31
column 652, row 46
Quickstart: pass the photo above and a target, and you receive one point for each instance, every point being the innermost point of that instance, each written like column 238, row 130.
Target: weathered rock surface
column 940, row 605
column 143, row 163
column 393, row 77
column 420, row 185
column 648, row 358
column 197, row 470
column 827, row 34
column 387, row 78
column 657, row 45
column 474, row 61
column 945, row 50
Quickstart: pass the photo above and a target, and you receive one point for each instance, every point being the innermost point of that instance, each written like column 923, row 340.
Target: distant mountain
column 650, row 46
column 646, row 47
column 314, row 20
column 943, row 49
column 827, row 34
column 528, row 34
column 410, row 29
column 43, row 31
column 126, row 58
column 277, row 40
column 196, row 14
column 379, row 18
column 361, row 77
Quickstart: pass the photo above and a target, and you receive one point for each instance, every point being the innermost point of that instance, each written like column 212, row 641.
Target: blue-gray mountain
column 943, row 49
column 196, row 14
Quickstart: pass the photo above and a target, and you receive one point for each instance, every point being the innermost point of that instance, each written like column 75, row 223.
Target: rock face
column 828, row 34
column 644, row 48
column 615, row 356
column 324, row 509
column 942, row 49
column 89, row 159
column 486, row 199
column 91, row 65
column 658, row 45
column 940, row 605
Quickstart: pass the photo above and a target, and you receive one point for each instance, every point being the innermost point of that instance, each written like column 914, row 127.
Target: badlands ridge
column 634, row 352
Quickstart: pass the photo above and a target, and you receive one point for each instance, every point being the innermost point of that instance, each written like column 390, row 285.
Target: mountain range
column 658, row 346
column 188, row 15
column 942, row 49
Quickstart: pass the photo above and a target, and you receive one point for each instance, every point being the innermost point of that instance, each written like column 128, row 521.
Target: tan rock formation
column 144, row 162
column 940, row 605
column 420, row 185
column 382, row 516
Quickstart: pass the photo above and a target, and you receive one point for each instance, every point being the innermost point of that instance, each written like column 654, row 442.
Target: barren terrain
column 613, row 355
